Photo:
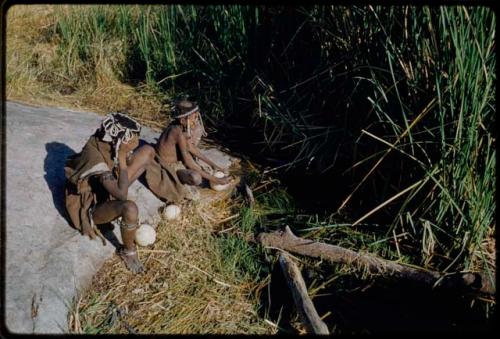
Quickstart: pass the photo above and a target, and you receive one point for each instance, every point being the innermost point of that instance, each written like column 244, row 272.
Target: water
column 359, row 306
column 380, row 307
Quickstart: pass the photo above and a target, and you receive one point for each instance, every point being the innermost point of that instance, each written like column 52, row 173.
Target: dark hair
column 119, row 126
column 127, row 121
column 182, row 107
column 185, row 105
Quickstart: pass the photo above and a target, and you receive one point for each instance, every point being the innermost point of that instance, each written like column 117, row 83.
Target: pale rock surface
column 47, row 261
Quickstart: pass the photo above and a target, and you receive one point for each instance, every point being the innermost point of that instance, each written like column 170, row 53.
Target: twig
column 228, row 218
column 200, row 270
column 227, row 230
column 78, row 328
column 155, row 251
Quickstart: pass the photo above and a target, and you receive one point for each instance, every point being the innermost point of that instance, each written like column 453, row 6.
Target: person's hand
column 126, row 149
column 122, row 156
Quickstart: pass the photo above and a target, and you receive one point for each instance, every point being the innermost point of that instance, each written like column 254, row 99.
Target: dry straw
column 186, row 287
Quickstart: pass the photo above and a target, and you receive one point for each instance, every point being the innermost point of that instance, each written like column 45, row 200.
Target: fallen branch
column 305, row 306
column 286, row 240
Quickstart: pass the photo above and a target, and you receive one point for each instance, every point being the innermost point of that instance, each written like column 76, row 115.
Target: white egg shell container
column 216, row 187
column 172, row 212
column 145, row 235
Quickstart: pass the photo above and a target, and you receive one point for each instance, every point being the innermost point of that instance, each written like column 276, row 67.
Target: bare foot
column 131, row 260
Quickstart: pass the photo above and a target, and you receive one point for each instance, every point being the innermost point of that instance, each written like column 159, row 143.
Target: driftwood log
column 303, row 302
column 286, row 240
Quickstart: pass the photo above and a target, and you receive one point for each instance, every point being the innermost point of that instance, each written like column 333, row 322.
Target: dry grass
column 35, row 74
column 28, row 55
column 485, row 255
column 186, row 288
column 174, row 296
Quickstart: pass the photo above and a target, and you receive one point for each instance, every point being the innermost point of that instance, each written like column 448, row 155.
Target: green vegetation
column 386, row 114
column 198, row 280
column 409, row 89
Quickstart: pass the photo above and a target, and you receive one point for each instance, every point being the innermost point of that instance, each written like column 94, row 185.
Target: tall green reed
column 450, row 208
column 395, row 101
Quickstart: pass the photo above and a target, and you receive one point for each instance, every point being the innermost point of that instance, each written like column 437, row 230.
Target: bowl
column 217, row 187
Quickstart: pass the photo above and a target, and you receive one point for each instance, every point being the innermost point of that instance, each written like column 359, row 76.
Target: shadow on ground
column 53, row 166
column 57, row 153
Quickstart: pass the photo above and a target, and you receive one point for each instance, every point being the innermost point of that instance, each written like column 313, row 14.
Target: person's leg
column 139, row 161
column 110, row 210
column 189, row 177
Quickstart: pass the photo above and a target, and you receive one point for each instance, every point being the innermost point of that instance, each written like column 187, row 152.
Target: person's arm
column 191, row 164
column 199, row 154
column 117, row 188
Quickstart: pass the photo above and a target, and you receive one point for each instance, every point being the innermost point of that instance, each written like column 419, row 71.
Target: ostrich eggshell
column 145, row 235
column 217, row 187
column 219, row 174
column 220, row 187
column 172, row 212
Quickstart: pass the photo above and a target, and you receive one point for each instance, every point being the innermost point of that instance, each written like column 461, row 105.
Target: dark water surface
column 382, row 307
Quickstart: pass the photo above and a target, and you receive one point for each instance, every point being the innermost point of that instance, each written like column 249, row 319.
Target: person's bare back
column 167, row 144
